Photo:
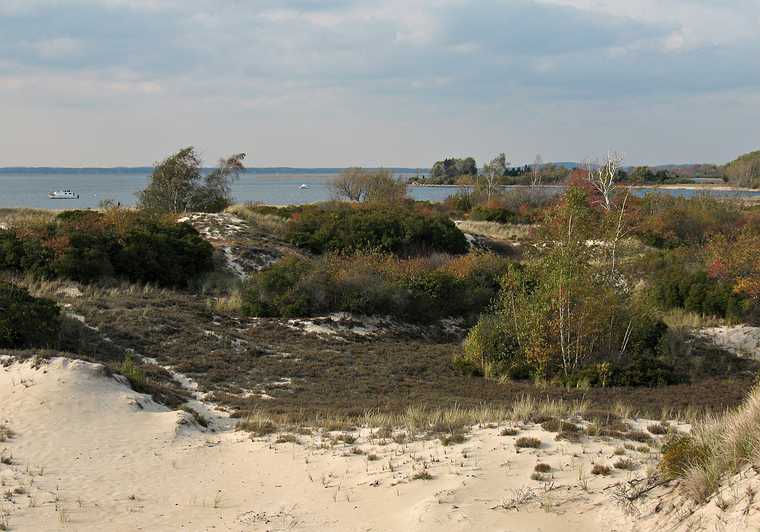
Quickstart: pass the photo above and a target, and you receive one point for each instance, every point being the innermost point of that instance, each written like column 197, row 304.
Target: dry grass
column 267, row 222
column 684, row 320
column 16, row 218
column 718, row 447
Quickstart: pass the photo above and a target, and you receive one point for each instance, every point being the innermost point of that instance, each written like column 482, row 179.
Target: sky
column 372, row 82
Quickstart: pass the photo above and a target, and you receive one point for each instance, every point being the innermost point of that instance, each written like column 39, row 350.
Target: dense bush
column 26, row 321
column 677, row 282
column 87, row 246
column 669, row 221
column 401, row 230
column 420, row 290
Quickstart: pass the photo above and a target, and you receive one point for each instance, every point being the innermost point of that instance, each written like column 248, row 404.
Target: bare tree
column 351, row 184
column 535, row 171
column 602, row 176
column 359, row 185
column 493, row 171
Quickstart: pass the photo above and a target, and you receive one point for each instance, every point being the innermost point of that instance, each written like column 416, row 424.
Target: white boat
column 63, row 194
column 305, row 186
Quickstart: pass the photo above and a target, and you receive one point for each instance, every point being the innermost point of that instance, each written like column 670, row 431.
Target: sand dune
column 91, row 454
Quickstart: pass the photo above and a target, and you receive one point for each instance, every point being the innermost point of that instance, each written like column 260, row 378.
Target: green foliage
column 178, row 185
column 744, row 171
column 448, row 170
column 418, row 290
column 26, row 321
column 669, row 221
column 399, row 230
column 163, row 254
column 674, row 285
column 566, row 313
column 87, row 246
column 133, row 372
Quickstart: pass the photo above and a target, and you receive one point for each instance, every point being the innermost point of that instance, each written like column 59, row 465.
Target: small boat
column 63, row 194
column 303, row 186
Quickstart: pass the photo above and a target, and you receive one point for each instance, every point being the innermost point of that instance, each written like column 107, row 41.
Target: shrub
column 600, row 469
column 551, row 425
column 527, row 442
column 542, row 468
column 626, row 464
column 509, row 431
column 419, row 290
column 679, row 453
column 26, row 321
column 87, row 246
column 669, row 221
column 658, row 428
column 133, row 372
column 399, row 230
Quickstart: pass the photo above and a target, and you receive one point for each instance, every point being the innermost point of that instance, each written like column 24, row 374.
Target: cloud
column 284, row 59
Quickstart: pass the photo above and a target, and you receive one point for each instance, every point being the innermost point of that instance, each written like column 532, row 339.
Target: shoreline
column 674, row 186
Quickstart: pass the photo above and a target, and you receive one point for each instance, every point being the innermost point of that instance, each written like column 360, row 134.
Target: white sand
column 742, row 340
column 91, row 454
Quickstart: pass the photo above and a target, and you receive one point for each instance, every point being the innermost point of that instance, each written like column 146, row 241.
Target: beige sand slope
column 91, row 454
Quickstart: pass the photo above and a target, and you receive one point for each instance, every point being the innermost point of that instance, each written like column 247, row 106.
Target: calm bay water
column 31, row 189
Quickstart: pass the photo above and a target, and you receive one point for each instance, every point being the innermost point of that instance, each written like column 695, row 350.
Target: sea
column 29, row 188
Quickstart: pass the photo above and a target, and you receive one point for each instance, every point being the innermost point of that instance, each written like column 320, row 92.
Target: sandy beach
column 88, row 453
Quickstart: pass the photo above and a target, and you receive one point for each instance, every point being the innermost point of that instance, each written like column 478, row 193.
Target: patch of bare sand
column 742, row 340
column 91, row 454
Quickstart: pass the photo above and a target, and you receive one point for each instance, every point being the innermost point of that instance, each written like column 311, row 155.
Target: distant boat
column 63, row 194
column 305, row 186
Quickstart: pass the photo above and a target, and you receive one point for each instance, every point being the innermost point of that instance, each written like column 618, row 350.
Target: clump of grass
column 346, row 438
column 258, row 424
column 422, row 475
column 658, row 428
column 527, row 443
column 542, row 468
column 452, row 439
column 573, row 437
column 509, row 431
column 133, row 372
column 639, row 436
column 372, row 457
column 540, row 477
column 679, row 454
column 5, row 432
column 619, row 451
column 287, row 438
column 551, row 425
column 600, row 469
column 625, row 464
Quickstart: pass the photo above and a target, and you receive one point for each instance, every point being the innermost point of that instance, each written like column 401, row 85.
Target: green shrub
column 400, row 230
column 26, row 321
column 418, row 290
column 87, row 246
column 133, row 372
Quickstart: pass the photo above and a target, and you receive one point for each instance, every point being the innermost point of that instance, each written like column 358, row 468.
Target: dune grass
column 718, row 447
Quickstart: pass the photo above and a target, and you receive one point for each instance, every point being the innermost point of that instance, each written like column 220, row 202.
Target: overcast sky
column 370, row 82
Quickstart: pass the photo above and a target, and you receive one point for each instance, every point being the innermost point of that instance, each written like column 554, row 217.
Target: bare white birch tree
column 602, row 176
column 493, row 171
column 535, row 171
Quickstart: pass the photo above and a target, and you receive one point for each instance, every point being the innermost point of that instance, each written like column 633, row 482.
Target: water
column 31, row 189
